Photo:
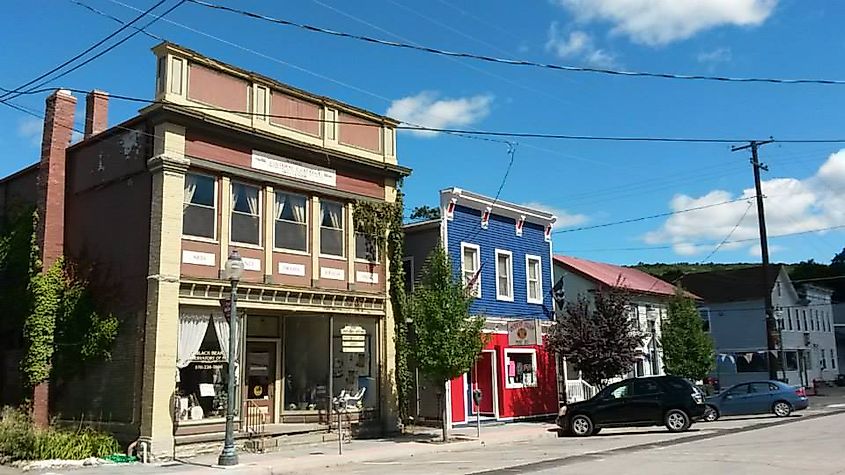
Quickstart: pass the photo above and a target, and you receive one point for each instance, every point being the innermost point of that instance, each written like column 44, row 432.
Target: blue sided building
column 503, row 253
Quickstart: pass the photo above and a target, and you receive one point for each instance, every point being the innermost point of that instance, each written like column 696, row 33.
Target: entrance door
column 481, row 377
column 260, row 381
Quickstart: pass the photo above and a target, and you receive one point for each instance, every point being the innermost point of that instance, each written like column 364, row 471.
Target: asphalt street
column 738, row 445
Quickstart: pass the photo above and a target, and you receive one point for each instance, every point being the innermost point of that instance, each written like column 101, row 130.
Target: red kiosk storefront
column 517, row 377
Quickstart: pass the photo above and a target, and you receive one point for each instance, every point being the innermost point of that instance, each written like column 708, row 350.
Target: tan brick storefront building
column 223, row 160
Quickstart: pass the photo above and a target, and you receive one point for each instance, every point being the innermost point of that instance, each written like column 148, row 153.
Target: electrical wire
column 731, row 233
column 507, row 61
column 16, row 92
column 114, row 18
column 670, row 246
column 653, row 216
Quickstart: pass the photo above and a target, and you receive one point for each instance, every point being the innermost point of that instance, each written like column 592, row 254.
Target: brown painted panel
column 296, row 259
column 360, row 185
column 331, row 283
column 103, row 161
column 288, row 106
column 359, row 132
column 196, row 270
column 365, row 286
column 217, row 150
column 216, row 88
column 248, row 252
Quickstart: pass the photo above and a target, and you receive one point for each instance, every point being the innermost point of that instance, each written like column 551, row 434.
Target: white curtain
column 236, row 190
column 190, row 189
column 281, row 200
column 192, row 328
column 298, row 208
column 221, row 327
column 333, row 213
column 252, row 200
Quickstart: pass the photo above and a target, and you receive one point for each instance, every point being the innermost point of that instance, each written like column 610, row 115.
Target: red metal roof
column 617, row 276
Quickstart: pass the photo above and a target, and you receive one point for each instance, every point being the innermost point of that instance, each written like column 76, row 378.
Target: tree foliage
column 598, row 338
column 447, row 340
column 687, row 349
column 425, row 212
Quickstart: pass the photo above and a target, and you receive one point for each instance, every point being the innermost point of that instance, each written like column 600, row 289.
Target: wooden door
column 260, row 380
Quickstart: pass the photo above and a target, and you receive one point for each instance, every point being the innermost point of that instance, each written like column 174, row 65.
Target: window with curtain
column 198, row 206
column 331, row 228
column 246, row 214
column 470, row 267
column 366, row 247
column 291, row 222
column 504, row 275
column 533, row 274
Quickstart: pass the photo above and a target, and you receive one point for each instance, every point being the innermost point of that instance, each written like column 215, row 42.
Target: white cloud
column 659, row 22
column 30, row 129
column 718, row 55
column 577, row 45
column 427, row 109
column 565, row 219
column 792, row 206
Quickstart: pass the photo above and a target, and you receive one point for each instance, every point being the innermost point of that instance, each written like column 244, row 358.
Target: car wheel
column 677, row 420
column 782, row 409
column 581, row 426
column 711, row 414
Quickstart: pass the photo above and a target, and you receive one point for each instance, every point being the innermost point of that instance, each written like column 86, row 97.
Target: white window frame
column 343, row 225
column 499, row 296
column 476, row 292
column 533, row 353
column 216, row 181
column 529, row 259
column 232, row 211
column 307, row 250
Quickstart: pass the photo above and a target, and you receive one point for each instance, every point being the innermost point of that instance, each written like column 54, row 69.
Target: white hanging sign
column 353, row 339
column 250, row 263
column 286, row 268
column 524, row 333
column 292, row 169
column 331, row 273
column 198, row 258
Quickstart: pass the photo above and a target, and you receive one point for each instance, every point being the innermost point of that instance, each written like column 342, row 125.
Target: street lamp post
column 234, row 269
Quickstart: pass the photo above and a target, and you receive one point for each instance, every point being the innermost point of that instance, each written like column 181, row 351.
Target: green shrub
column 20, row 440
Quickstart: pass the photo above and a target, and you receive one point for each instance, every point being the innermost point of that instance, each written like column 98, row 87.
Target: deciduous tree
column 687, row 348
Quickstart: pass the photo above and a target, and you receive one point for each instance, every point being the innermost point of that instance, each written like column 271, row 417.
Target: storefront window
column 751, row 362
column 353, row 361
column 202, row 366
column 521, row 367
column 306, row 363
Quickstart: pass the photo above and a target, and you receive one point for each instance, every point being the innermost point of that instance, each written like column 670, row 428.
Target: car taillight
column 696, row 396
column 801, row 392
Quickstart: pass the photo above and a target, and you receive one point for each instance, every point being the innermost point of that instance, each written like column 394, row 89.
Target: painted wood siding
column 501, row 234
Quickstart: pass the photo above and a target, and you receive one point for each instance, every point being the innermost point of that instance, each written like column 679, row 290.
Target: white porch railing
column 579, row 391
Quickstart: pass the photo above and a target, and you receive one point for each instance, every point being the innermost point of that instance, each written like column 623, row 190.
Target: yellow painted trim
column 225, row 218
column 269, row 228
column 315, row 238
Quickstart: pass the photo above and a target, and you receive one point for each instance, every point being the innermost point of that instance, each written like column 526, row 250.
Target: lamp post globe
column 232, row 272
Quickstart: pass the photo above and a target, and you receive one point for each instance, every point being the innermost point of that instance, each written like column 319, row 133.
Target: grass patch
column 20, row 440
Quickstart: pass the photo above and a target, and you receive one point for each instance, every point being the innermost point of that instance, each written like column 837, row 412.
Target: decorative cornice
column 168, row 164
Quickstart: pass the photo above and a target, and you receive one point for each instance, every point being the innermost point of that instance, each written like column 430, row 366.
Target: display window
column 202, row 366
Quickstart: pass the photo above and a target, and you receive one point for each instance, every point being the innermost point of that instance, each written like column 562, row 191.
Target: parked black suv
column 660, row 400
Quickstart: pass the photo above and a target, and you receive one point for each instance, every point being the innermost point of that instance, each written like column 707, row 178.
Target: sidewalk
column 312, row 457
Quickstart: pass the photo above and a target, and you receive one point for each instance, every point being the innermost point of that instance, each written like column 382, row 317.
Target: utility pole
column 772, row 330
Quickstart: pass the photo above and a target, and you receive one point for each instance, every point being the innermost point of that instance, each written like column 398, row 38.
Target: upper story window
column 291, row 215
column 366, row 247
column 804, row 318
column 199, row 213
column 470, row 267
column 534, row 278
column 331, row 228
column 789, row 319
column 246, row 214
column 504, row 275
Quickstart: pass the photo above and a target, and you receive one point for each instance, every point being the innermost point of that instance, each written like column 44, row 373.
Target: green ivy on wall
column 61, row 330
column 383, row 221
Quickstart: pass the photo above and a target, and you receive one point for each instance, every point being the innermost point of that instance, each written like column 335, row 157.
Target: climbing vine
column 60, row 329
column 383, row 222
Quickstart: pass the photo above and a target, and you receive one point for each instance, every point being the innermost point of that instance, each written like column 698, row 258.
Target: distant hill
column 673, row 272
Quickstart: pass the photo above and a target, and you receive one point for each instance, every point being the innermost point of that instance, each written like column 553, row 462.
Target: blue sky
column 584, row 182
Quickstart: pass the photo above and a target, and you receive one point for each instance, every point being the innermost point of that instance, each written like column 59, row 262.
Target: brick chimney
column 96, row 112
column 58, row 130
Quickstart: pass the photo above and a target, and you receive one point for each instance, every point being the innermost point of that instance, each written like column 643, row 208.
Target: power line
column 5, row 97
column 736, row 226
column 114, row 18
column 670, row 246
column 512, row 62
column 653, row 216
column 468, row 132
